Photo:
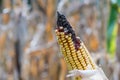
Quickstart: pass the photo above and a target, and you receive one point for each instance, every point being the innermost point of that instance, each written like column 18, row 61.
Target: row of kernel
column 73, row 51
column 69, row 62
column 89, row 57
column 69, row 57
column 81, row 60
column 70, row 50
column 84, row 54
column 66, row 50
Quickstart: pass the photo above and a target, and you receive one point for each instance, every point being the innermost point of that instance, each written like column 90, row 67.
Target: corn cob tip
column 64, row 26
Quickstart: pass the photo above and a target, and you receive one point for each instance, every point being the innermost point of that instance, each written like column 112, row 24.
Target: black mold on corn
column 62, row 21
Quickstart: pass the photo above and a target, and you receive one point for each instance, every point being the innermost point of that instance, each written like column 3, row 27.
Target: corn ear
column 73, row 49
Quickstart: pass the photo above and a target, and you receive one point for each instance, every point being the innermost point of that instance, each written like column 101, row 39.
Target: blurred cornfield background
column 28, row 46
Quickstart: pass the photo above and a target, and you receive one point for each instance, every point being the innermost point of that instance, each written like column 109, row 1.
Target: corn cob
column 74, row 51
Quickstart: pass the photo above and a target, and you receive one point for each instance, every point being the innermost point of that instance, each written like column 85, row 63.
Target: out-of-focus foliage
column 0, row 5
column 112, row 26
